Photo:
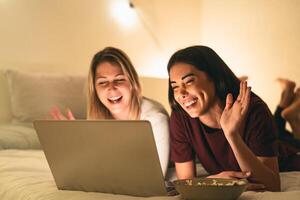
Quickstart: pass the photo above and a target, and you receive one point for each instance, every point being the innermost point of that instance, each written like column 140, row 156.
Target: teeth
column 189, row 103
column 114, row 98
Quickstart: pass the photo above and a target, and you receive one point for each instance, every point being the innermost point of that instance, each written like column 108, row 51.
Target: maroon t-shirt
column 190, row 138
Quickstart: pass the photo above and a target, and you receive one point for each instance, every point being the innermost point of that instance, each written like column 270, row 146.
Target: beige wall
column 61, row 36
column 255, row 38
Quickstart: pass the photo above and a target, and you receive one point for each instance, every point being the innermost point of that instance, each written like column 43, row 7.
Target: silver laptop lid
column 111, row 156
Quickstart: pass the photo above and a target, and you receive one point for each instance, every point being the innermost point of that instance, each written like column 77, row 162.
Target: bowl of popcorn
column 210, row 188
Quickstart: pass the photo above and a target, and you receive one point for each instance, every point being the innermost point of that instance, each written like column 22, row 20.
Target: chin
column 192, row 114
column 116, row 111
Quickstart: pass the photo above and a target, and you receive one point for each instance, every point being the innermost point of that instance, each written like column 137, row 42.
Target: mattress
column 25, row 175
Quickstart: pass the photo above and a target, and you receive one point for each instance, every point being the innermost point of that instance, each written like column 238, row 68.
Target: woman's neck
column 121, row 116
column 212, row 117
column 124, row 115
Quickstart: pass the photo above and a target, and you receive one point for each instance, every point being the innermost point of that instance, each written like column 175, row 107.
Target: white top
column 159, row 119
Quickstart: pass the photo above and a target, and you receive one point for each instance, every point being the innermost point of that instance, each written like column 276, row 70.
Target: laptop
column 109, row 156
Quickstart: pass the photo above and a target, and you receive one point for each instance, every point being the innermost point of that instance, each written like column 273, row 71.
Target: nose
column 111, row 85
column 183, row 93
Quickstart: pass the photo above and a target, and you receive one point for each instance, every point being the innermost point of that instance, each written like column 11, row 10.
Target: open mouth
column 115, row 100
column 191, row 103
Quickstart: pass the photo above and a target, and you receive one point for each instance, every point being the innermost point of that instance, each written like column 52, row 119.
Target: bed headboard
column 5, row 107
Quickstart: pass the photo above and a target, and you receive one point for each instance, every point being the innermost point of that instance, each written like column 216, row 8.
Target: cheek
column 176, row 97
column 194, row 89
column 101, row 94
column 126, row 94
column 211, row 91
column 125, row 90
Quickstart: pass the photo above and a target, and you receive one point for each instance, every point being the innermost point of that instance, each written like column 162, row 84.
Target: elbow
column 269, row 182
column 275, row 185
column 274, row 188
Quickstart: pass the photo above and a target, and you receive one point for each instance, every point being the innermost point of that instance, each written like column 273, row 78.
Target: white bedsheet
column 25, row 175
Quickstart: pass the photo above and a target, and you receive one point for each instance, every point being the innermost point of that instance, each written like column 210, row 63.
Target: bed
column 25, row 175
column 24, row 172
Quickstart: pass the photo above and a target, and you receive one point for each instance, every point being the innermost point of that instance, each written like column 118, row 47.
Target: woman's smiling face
column 113, row 88
column 193, row 89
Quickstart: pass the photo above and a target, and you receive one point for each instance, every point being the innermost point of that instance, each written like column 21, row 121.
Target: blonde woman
column 114, row 92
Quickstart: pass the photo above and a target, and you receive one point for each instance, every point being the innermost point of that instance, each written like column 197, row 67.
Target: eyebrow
column 97, row 76
column 185, row 76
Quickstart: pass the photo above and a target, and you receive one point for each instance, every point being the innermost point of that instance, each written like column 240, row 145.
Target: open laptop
column 110, row 156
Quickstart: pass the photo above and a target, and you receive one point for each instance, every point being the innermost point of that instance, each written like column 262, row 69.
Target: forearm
column 185, row 170
column 249, row 162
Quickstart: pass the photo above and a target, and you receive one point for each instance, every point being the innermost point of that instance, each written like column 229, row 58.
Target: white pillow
column 33, row 94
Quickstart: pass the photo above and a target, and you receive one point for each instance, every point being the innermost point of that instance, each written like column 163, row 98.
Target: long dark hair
column 207, row 60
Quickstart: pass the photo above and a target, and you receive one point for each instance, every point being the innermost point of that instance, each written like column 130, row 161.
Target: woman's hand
column 57, row 115
column 231, row 174
column 240, row 175
column 233, row 116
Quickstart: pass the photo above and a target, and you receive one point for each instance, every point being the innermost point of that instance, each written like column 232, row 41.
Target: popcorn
column 214, row 182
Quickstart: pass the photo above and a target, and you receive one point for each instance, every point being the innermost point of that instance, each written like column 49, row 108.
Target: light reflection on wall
column 123, row 13
column 129, row 18
column 156, row 66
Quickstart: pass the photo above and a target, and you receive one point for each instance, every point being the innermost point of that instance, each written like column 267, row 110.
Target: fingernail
column 248, row 173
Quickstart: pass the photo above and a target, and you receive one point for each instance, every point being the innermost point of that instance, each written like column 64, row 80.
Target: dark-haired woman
column 218, row 119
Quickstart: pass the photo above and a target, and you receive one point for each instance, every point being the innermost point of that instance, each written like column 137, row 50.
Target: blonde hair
column 95, row 108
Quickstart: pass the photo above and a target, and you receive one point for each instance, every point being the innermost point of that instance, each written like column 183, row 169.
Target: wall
column 255, row 38
column 61, row 36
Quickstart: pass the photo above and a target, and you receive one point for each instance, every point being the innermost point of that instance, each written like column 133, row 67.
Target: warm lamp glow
column 154, row 66
column 123, row 13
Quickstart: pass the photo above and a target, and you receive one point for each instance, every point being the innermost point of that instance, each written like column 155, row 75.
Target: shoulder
column 258, row 109
column 156, row 114
column 181, row 123
column 260, row 121
column 261, row 130
column 151, row 108
column 179, row 116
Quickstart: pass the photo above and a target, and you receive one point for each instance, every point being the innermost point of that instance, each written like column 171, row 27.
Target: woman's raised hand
column 233, row 116
column 57, row 115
